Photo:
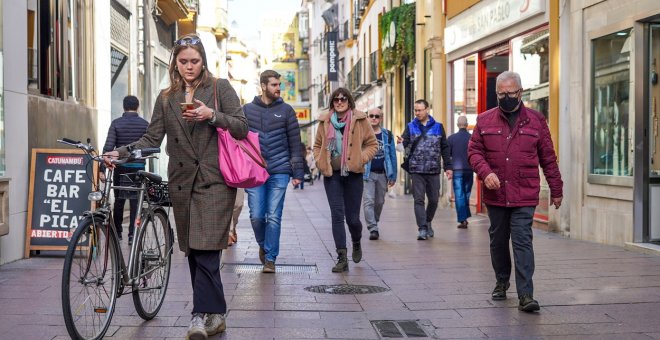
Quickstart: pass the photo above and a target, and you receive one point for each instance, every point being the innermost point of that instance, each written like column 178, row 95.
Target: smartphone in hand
column 187, row 106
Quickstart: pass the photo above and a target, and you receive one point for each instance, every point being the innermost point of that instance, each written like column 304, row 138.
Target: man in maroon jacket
column 507, row 146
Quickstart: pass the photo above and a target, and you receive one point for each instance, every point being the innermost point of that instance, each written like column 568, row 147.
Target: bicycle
column 95, row 273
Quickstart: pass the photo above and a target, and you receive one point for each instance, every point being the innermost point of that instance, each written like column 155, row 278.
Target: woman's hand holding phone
column 196, row 114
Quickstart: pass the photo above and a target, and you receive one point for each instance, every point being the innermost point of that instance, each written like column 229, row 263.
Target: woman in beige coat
column 344, row 143
column 201, row 200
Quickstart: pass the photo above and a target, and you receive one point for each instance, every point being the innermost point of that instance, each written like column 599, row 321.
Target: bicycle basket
column 159, row 194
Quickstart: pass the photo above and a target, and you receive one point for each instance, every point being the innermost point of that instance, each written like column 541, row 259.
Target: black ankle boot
column 357, row 252
column 342, row 261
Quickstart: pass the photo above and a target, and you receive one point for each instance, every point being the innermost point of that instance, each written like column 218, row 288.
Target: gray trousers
column 373, row 198
column 515, row 224
column 423, row 186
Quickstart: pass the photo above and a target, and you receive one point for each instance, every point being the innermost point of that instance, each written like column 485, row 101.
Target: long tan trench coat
column 201, row 200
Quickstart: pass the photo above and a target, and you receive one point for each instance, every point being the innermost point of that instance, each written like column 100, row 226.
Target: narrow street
column 442, row 285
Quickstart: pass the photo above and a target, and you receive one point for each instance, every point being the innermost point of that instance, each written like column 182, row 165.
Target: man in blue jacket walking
column 426, row 145
column 379, row 174
column 279, row 138
column 123, row 131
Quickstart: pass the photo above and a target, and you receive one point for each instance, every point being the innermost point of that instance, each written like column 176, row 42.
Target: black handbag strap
column 414, row 144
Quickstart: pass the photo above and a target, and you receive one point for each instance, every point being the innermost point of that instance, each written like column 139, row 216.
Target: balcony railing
column 344, row 31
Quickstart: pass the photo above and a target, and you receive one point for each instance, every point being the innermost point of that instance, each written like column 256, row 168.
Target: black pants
column 344, row 196
column 119, row 178
column 423, row 186
column 208, row 294
column 515, row 224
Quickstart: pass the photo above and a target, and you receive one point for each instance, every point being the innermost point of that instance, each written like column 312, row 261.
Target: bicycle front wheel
column 153, row 259
column 89, row 280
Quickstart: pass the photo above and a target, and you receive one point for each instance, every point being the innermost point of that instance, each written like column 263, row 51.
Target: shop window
column 611, row 122
column 464, row 90
column 57, row 32
column 530, row 60
column 118, row 81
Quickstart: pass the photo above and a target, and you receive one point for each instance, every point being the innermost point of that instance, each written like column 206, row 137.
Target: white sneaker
column 196, row 330
column 215, row 323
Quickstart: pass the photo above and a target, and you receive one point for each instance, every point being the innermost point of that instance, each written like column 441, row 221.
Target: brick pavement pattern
column 586, row 290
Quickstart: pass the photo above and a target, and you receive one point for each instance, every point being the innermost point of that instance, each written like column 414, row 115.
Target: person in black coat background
column 123, row 131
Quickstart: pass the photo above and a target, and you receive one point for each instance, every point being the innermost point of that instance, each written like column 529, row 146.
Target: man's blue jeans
column 462, row 181
column 266, row 203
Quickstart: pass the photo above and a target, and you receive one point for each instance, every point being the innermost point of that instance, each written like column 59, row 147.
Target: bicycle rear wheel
column 153, row 260
column 89, row 280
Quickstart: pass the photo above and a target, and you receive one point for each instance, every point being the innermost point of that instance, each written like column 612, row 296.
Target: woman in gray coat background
column 201, row 200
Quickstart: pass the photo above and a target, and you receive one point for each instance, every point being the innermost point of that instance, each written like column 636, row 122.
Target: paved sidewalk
column 586, row 290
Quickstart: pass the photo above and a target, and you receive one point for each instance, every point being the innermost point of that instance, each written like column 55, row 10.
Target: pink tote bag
column 240, row 161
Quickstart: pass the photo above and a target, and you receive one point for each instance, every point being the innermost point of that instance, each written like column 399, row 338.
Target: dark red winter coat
column 514, row 155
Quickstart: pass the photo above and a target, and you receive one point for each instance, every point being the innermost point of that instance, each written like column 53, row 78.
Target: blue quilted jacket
column 279, row 136
column 426, row 156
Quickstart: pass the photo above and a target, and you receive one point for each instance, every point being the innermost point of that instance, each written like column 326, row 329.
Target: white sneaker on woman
column 215, row 323
column 196, row 330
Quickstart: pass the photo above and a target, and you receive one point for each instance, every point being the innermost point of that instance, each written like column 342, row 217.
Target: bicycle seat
column 150, row 176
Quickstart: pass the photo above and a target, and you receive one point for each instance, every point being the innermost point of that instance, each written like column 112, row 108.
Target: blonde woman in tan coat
column 344, row 143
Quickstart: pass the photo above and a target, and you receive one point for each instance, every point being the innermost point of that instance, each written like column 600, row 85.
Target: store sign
column 59, row 185
column 488, row 17
column 303, row 114
column 332, row 56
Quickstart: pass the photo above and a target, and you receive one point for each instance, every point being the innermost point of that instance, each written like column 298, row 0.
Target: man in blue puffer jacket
column 123, row 131
column 425, row 167
column 279, row 138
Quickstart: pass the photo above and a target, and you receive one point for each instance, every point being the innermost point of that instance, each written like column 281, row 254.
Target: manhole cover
column 346, row 289
column 243, row 268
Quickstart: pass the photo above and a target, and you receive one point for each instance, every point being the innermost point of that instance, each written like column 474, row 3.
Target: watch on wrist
column 213, row 117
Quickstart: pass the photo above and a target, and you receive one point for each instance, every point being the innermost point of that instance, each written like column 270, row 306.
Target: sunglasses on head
column 339, row 100
column 188, row 41
column 374, row 116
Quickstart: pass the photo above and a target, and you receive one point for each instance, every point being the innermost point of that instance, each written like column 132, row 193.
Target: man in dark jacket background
column 507, row 146
column 463, row 174
column 123, row 131
column 425, row 167
column 279, row 138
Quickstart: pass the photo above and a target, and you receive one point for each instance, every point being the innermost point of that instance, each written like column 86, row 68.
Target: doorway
column 652, row 183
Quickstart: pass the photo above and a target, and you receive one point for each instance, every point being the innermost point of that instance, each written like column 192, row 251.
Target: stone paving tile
column 586, row 290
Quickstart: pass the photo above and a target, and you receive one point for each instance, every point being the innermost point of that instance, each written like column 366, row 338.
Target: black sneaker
column 499, row 293
column 374, row 235
column 120, row 238
column 528, row 304
column 130, row 240
column 422, row 235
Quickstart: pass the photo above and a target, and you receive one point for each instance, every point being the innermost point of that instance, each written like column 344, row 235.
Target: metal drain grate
column 244, row 268
column 399, row 329
column 346, row 289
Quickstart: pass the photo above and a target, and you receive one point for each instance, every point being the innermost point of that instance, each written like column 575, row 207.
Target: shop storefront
column 613, row 71
column 487, row 39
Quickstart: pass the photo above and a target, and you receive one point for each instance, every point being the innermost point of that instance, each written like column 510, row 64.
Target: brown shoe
column 269, row 267
column 262, row 255
column 462, row 225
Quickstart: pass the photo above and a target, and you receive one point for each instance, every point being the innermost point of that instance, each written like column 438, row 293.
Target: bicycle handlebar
column 135, row 154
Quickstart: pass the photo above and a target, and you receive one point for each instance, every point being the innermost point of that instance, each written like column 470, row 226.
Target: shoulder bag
column 241, row 162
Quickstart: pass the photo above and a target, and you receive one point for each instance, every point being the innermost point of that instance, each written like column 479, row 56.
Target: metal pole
column 146, row 18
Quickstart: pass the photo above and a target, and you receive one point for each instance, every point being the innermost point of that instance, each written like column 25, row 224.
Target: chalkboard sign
column 60, row 181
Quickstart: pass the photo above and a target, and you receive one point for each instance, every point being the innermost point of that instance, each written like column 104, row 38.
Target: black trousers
column 514, row 224
column 119, row 178
column 344, row 197
column 208, row 294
